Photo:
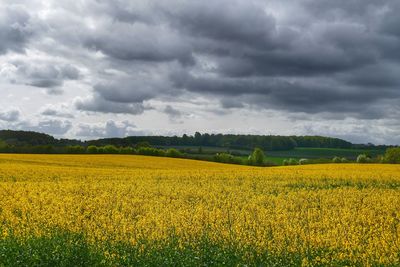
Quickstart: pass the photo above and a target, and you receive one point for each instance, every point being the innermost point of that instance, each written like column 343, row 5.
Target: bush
column 173, row 153
column 293, row 162
column 303, row 161
column 344, row 160
column 126, row 150
column 149, row 151
column 285, row 162
column 227, row 158
column 75, row 149
column 3, row 144
column 110, row 149
column 337, row 160
column 142, row 144
column 92, row 150
column 362, row 158
column 257, row 157
column 392, row 155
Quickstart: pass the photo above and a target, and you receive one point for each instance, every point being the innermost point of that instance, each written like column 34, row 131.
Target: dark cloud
column 97, row 103
column 140, row 42
column 46, row 75
column 174, row 115
column 126, row 91
column 319, row 58
column 14, row 29
column 10, row 115
column 242, row 22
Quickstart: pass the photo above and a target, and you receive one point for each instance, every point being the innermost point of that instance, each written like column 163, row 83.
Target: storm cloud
column 107, row 60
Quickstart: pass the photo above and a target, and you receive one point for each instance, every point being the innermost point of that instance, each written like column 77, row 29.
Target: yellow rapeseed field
column 323, row 213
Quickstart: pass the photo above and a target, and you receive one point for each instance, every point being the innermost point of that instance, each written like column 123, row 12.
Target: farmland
column 116, row 210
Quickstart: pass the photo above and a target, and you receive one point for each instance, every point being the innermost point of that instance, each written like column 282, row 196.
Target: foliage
column 362, row 158
column 227, row 158
column 173, row 153
column 126, row 150
column 3, row 144
column 337, row 160
column 303, row 161
column 149, row 151
column 75, row 149
column 110, row 149
column 142, row 144
column 392, row 155
column 257, row 157
column 92, row 150
column 321, row 142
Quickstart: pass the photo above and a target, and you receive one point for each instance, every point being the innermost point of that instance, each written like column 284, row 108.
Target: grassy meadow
column 116, row 210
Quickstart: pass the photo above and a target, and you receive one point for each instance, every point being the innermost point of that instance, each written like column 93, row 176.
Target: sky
column 90, row 69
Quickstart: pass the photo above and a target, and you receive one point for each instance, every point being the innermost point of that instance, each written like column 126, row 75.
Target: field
column 277, row 157
column 113, row 210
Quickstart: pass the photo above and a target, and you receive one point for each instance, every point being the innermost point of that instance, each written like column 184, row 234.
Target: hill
column 229, row 141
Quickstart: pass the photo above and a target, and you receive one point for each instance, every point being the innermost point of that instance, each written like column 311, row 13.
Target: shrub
column 126, row 150
column 110, row 149
column 227, row 158
column 75, row 149
column 392, row 155
column 3, row 144
column 293, row 162
column 303, row 161
column 149, row 151
column 142, row 144
column 344, row 160
column 362, row 158
column 336, row 160
column 92, row 150
column 173, row 153
column 257, row 157
column 285, row 162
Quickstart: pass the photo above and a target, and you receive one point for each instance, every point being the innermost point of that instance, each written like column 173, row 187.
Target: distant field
column 305, row 152
column 115, row 210
column 297, row 153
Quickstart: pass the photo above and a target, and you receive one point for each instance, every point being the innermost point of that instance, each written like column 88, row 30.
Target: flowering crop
column 332, row 214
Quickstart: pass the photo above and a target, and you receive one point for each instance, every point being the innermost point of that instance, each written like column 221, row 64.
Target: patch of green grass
column 278, row 156
column 313, row 153
column 70, row 249
column 62, row 249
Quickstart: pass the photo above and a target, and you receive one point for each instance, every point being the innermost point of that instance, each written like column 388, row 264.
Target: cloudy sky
column 97, row 68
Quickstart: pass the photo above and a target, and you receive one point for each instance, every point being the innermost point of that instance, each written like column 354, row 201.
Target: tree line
column 42, row 142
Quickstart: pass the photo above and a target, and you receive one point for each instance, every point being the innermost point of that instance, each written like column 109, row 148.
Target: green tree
column 173, row 153
column 3, row 145
column 126, row 150
column 110, row 149
column 142, row 144
column 303, row 161
column 337, row 160
column 75, row 149
column 392, row 155
column 92, row 150
column 362, row 158
column 257, row 157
